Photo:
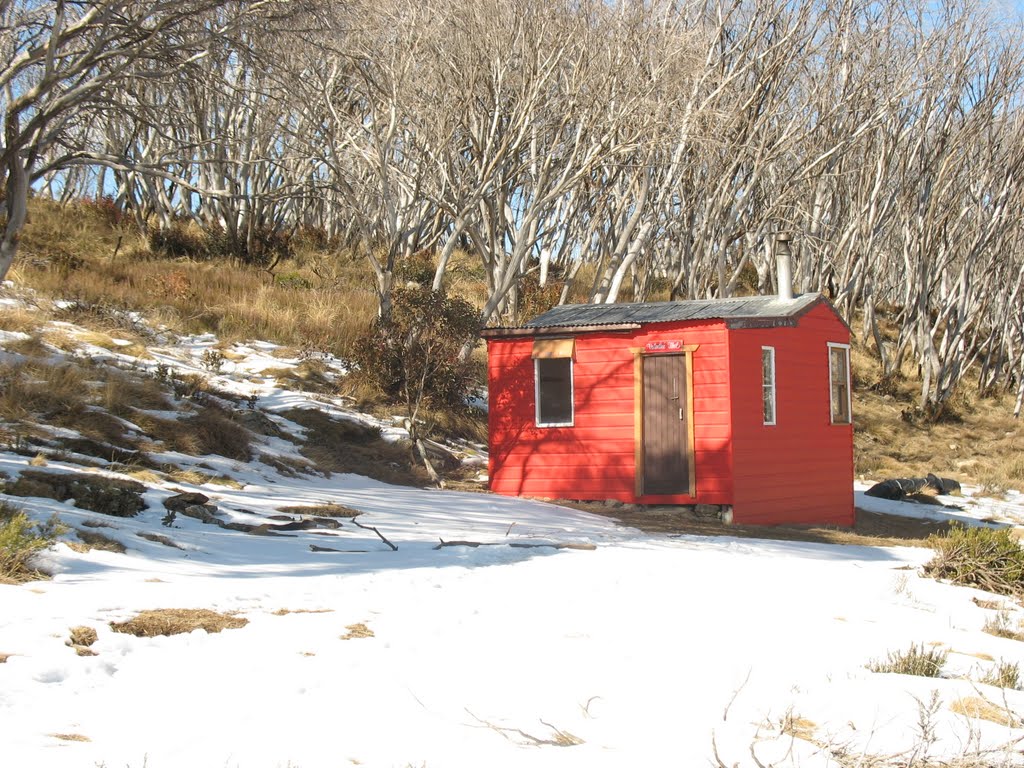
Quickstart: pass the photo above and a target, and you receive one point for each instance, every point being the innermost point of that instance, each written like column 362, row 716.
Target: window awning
column 546, row 349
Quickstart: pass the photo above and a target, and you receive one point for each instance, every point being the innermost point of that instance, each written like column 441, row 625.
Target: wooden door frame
column 638, row 415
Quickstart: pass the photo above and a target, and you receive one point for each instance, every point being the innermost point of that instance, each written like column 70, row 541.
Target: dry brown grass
column 33, row 388
column 978, row 708
column 321, row 510
column 4, row 657
column 96, row 540
column 176, row 621
column 287, row 611
column 977, row 441
column 307, row 376
column 209, row 430
column 288, row 466
column 341, row 445
column 69, row 736
column 123, row 393
column 195, row 477
column 145, row 476
column 356, row 631
column 17, row 320
column 798, row 727
column 31, row 347
column 216, row 432
column 1002, row 625
column 83, row 635
column 69, row 252
column 159, row 539
column 61, row 339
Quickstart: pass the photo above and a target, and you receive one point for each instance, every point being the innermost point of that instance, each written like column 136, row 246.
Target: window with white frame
column 554, row 392
column 768, row 384
column 839, row 382
column 553, row 384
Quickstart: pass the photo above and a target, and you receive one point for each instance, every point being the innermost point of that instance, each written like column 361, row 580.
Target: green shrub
column 986, row 558
column 177, row 241
column 20, row 540
column 413, row 355
column 917, row 660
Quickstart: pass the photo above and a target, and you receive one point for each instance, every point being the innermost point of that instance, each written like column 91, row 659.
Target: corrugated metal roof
column 743, row 308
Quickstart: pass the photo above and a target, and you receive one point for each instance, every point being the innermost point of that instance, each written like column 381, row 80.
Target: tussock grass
column 176, row 621
column 145, row 476
column 96, row 540
column 216, row 432
column 307, row 376
column 69, row 736
column 916, row 660
column 33, row 388
column 61, row 339
column 17, row 320
column 20, row 542
column 321, row 510
column 325, row 299
column 83, row 635
column 1001, row 625
column 344, row 445
column 1003, row 675
column 288, row 466
column 209, row 431
column 195, row 477
column 87, row 400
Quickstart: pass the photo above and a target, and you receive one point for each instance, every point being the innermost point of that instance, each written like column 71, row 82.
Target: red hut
column 739, row 403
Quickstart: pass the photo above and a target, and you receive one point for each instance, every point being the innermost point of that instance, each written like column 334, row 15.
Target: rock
column 206, row 513
column 180, row 501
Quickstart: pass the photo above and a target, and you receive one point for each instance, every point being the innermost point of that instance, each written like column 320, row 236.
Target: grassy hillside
column 320, row 300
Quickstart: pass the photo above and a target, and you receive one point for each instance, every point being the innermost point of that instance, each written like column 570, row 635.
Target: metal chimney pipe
column 784, row 266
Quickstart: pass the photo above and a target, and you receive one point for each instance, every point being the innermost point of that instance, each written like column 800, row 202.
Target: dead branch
column 315, row 548
column 519, row 544
column 371, row 528
column 725, row 712
column 562, row 738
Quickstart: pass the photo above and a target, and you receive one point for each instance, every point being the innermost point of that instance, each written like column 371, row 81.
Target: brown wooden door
column 666, row 460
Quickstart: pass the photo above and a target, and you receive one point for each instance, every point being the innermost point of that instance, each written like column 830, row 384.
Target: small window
column 768, row 384
column 839, row 382
column 554, row 391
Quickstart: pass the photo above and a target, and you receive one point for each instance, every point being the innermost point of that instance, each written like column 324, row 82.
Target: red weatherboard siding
column 801, row 469
column 595, row 458
column 798, row 471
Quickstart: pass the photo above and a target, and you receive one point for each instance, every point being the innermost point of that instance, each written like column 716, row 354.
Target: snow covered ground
column 646, row 650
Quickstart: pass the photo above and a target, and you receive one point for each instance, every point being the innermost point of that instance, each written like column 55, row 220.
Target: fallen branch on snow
column 518, row 544
column 562, row 738
column 371, row 528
